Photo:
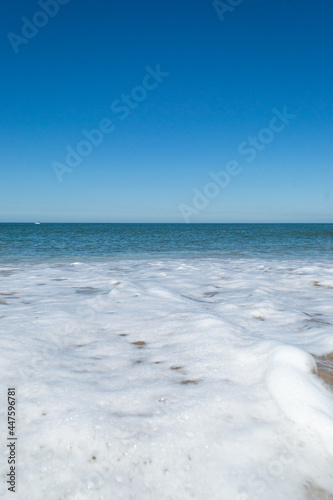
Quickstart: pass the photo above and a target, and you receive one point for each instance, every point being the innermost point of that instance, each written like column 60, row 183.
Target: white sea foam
column 171, row 379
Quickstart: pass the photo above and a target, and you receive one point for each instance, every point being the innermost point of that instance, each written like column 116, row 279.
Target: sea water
column 167, row 361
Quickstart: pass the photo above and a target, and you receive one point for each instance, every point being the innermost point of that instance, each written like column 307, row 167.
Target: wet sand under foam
column 316, row 493
column 325, row 368
column 325, row 372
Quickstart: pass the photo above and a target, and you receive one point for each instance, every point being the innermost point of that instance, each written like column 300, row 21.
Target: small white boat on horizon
column 36, row 222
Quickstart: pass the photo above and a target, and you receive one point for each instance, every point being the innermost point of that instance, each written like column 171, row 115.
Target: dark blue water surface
column 69, row 242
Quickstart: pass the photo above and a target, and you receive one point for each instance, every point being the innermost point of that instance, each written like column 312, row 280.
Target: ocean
column 167, row 361
column 63, row 242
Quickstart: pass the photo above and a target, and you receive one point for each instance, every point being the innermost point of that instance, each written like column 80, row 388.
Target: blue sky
column 222, row 79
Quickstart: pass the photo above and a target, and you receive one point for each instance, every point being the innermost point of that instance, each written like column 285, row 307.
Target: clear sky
column 178, row 90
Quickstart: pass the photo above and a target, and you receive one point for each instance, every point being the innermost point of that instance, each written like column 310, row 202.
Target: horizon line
column 181, row 223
